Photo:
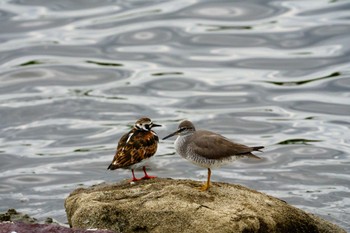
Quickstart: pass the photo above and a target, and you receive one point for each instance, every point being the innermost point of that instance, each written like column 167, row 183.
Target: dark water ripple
column 75, row 75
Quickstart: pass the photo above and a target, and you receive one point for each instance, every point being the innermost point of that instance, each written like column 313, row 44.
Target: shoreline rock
column 167, row 205
column 14, row 221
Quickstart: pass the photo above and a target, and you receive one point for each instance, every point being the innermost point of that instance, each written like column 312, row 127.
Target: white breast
column 181, row 146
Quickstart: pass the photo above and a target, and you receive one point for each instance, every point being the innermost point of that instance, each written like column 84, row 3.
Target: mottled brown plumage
column 208, row 149
column 139, row 144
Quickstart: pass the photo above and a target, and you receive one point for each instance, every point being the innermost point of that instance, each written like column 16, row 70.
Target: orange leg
column 146, row 175
column 206, row 186
column 133, row 176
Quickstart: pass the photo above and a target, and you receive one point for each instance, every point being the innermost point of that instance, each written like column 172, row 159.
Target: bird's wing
column 214, row 146
column 134, row 147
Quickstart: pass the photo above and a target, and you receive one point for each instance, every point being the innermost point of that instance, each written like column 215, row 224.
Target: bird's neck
column 181, row 144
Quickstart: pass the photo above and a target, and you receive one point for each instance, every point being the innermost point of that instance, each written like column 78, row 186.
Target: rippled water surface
column 75, row 75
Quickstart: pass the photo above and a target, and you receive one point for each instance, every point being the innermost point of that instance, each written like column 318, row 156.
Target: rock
column 13, row 221
column 13, row 216
column 166, row 205
column 21, row 227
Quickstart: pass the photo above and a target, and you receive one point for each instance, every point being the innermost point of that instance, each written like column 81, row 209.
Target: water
column 76, row 74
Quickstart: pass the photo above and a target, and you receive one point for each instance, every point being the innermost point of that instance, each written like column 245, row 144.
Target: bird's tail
column 257, row 148
column 112, row 167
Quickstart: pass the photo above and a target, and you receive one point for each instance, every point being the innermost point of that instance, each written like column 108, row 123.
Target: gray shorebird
column 208, row 149
column 135, row 147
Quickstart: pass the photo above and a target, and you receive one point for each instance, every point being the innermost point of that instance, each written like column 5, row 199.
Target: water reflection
column 292, row 83
column 104, row 63
column 297, row 141
column 29, row 180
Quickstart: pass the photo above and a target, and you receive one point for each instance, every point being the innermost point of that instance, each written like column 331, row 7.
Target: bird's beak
column 155, row 125
column 172, row 134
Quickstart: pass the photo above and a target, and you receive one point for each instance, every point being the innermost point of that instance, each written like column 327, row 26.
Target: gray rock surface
column 166, row 205
column 13, row 221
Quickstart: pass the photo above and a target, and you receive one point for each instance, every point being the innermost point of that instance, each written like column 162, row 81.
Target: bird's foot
column 205, row 187
column 135, row 180
column 146, row 177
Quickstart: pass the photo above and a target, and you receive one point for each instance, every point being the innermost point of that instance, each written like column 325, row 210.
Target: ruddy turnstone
column 138, row 145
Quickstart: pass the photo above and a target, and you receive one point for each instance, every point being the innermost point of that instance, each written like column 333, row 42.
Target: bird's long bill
column 172, row 134
column 155, row 125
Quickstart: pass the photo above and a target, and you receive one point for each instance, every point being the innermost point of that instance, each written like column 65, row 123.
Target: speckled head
column 145, row 124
